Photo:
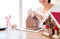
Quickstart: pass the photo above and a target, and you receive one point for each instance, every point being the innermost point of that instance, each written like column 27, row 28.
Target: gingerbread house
column 53, row 25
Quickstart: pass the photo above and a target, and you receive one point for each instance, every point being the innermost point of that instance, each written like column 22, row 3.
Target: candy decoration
column 56, row 32
column 55, row 28
column 46, row 26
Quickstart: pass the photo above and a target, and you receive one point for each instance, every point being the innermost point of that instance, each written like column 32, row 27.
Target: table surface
column 38, row 35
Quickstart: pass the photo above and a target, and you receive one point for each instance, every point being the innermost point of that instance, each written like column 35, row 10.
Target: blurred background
column 9, row 8
column 18, row 9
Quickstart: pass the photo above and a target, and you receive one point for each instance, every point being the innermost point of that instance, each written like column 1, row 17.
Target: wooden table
column 37, row 35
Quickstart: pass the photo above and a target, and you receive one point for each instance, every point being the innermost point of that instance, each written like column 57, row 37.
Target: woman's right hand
column 30, row 11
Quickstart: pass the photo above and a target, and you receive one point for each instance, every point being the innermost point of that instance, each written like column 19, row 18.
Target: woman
column 43, row 13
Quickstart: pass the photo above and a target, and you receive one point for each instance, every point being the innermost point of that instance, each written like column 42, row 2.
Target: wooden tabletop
column 37, row 35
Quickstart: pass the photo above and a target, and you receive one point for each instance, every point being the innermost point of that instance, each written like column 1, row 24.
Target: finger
column 29, row 12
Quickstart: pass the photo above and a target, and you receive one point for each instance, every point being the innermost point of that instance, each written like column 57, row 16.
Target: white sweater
column 46, row 15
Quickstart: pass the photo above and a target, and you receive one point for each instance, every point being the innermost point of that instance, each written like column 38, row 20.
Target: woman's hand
column 30, row 11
